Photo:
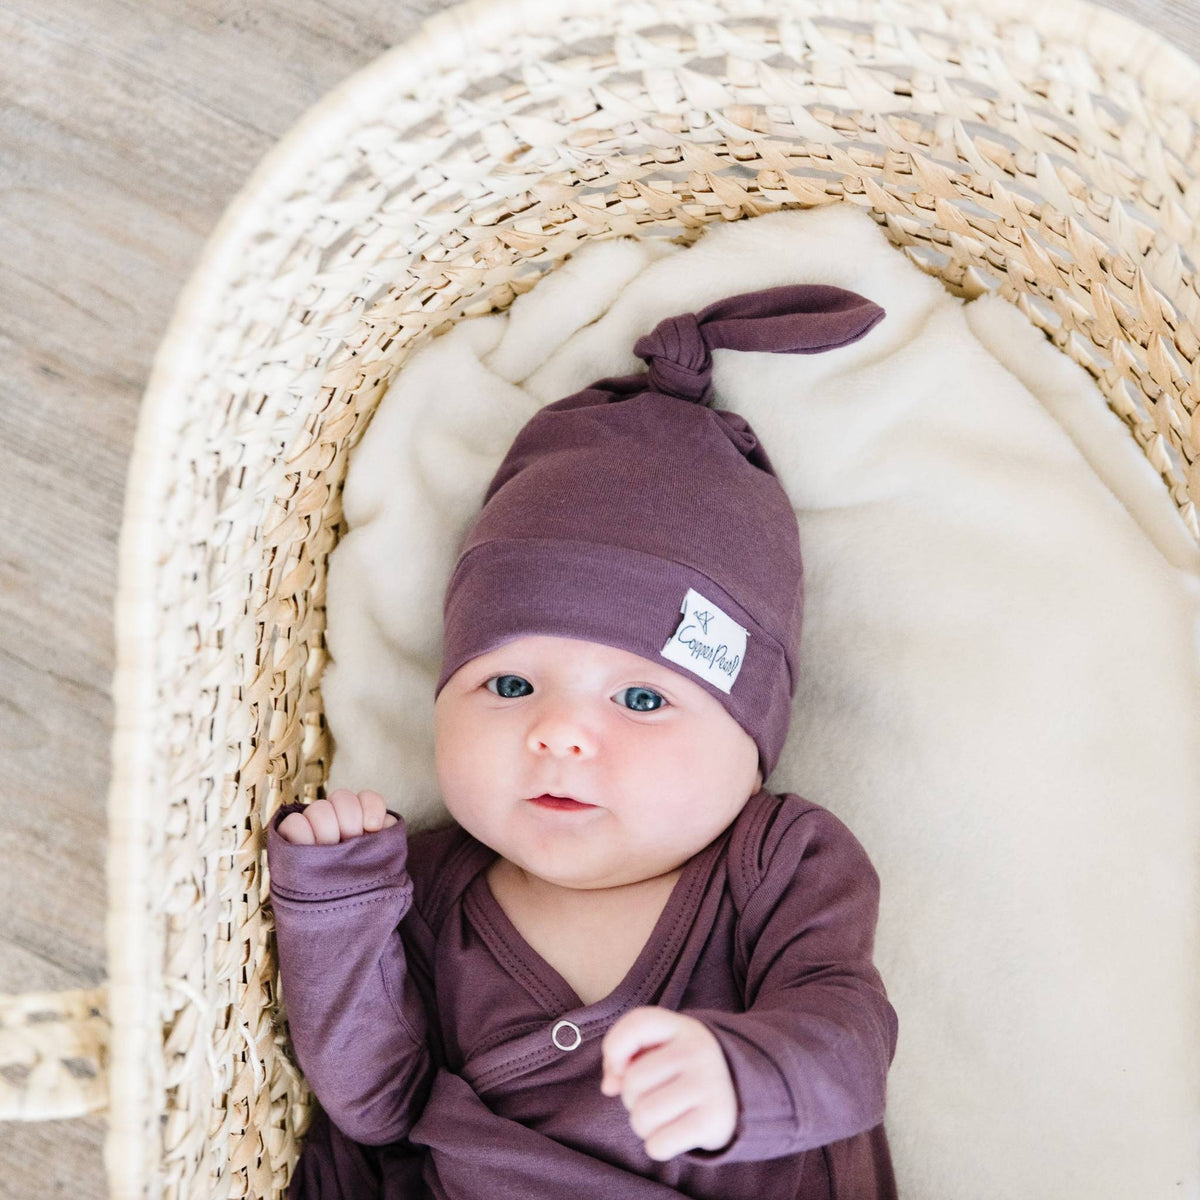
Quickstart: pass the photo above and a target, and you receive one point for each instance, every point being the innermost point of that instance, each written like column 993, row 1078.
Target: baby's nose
column 570, row 748
column 561, row 735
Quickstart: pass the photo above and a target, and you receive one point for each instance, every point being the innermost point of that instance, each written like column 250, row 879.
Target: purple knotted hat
column 635, row 515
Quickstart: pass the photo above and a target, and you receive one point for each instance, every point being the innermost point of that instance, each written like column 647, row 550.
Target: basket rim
column 439, row 44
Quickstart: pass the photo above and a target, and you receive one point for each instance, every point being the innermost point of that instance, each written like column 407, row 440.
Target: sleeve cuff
column 766, row 1120
column 317, row 872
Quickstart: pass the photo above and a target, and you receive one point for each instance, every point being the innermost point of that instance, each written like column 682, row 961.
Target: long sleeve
column 357, row 1020
column 809, row 1056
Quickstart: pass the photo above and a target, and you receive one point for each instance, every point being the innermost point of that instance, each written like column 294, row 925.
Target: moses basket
column 1048, row 152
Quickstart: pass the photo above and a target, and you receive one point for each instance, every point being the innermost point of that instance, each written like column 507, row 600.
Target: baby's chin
column 583, row 884
column 606, row 870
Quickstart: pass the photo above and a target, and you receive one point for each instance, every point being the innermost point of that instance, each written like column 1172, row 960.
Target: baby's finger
column 648, row 1071
column 662, row 1106
column 295, row 829
column 324, row 823
column 374, row 810
column 349, row 813
column 685, row 1132
column 637, row 1030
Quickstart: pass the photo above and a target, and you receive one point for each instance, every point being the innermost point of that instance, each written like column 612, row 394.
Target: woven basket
column 1047, row 151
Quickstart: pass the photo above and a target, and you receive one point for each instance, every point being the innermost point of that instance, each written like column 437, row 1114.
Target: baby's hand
column 343, row 816
column 672, row 1076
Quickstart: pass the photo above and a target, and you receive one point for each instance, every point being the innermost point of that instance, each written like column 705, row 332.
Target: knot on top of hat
column 803, row 318
column 679, row 359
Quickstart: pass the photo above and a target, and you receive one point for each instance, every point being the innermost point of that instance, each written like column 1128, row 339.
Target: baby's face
column 664, row 765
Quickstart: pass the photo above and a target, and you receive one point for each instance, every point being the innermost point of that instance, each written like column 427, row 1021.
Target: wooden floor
column 126, row 126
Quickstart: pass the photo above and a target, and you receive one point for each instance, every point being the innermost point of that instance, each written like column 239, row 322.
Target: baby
column 627, row 971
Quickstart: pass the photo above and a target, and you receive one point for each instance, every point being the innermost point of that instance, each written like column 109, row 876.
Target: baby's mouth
column 564, row 803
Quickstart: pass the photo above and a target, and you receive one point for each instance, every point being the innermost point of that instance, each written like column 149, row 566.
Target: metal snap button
column 566, row 1025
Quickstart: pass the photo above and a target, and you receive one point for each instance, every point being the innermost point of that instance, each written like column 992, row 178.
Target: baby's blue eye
column 506, row 686
column 509, row 687
column 639, row 696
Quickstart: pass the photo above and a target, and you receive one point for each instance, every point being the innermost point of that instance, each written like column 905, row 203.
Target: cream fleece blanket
column 999, row 689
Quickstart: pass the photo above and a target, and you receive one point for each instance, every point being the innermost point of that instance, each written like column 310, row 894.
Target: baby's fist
column 343, row 816
column 672, row 1077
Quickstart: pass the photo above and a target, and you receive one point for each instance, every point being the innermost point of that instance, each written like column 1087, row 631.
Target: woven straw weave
column 1048, row 151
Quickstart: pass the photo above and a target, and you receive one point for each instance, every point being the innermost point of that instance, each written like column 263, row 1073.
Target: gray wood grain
column 126, row 127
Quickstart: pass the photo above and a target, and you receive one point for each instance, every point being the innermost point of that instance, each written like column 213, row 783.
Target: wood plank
column 125, row 131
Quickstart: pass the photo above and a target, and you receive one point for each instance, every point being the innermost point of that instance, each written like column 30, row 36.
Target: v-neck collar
column 642, row 979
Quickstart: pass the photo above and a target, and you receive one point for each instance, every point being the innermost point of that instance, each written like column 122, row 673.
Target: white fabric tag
column 709, row 642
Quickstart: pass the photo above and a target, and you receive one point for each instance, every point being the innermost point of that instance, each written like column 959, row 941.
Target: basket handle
column 53, row 1054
